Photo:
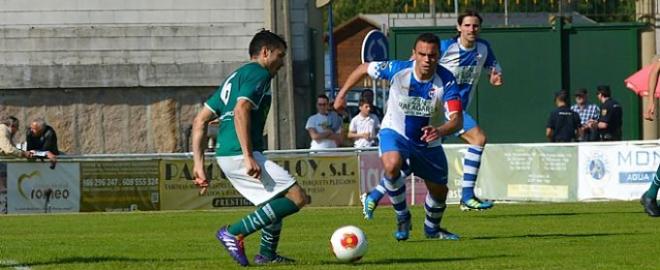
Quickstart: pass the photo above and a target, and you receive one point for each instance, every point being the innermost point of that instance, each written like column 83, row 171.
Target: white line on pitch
column 15, row 264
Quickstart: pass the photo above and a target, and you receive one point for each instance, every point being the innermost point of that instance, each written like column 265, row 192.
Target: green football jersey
column 252, row 83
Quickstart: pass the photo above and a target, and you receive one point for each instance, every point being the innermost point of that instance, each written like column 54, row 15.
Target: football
column 348, row 243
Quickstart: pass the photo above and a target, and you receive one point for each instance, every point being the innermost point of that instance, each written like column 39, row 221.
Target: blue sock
column 378, row 192
column 434, row 211
column 396, row 189
column 471, row 165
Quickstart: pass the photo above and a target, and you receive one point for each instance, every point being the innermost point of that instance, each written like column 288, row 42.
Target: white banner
column 621, row 172
column 28, row 183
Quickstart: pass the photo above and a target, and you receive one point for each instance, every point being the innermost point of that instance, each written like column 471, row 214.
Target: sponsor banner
column 621, row 172
column 371, row 171
column 178, row 192
column 119, row 185
column 329, row 180
column 527, row 172
column 29, row 185
column 3, row 188
column 455, row 156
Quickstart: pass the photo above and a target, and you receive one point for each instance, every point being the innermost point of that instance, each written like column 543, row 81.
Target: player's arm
column 653, row 81
column 242, row 122
column 454, row 124
column 494, row 68
column 355, row 76
column 198, row 142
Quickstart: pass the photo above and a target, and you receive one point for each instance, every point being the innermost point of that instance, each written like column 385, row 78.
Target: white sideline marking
column 16, row 265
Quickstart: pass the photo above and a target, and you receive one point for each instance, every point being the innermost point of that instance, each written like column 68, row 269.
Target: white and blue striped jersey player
column 413, row 104
column 466, row 65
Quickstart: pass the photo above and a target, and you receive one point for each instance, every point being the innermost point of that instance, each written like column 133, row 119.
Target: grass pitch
column 612, row 235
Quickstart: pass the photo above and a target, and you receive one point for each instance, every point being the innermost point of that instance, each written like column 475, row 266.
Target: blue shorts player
column 419, row 88
column 465, row 56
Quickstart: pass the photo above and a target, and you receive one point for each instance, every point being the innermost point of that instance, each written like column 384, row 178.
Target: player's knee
column 392, row 172
column 480, row 140
column 298, row 196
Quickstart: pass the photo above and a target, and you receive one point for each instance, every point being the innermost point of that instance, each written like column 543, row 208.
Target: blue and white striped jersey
column 413, row 102
column 466, row 64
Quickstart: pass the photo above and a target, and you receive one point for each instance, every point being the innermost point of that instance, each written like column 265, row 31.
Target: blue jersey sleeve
column 451, row 90
column 491, row 61
column 385, row 70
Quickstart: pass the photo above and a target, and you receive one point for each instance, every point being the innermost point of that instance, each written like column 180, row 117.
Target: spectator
column 8, row 127
column 336, row 119
column 611, row 115
column 563, row 124
column 364, row 126
column 588, row 116
column 42, row 140
column 369, row 95
column 339, row 120
column 320, row 127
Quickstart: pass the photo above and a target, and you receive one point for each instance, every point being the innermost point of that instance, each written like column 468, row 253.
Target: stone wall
column 109, row 120
column 127, row 76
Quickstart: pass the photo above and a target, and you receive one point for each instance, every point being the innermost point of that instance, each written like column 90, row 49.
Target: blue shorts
column 427, row 163
column 468, row 123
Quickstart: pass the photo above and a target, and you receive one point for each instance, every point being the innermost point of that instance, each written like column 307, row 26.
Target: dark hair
column 604, row 90
column 266, row 39
column 428, row 38
column 562, row 95
column 469, row 13
column 365, row 91
column 10, row 121
column 323, row 96
column 364, row 101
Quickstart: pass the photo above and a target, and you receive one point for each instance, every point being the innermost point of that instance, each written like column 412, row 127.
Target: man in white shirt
column 320, row 127
column 364, row 126
column 9, row 127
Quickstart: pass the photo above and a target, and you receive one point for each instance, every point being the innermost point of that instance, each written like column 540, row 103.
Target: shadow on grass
column 551, row 235
column 94, row 259
column 417, row 260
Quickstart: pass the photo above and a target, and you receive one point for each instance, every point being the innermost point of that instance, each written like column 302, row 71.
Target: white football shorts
column 274, row 179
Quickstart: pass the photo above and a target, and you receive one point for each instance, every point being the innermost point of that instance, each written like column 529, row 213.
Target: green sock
column 270, row 213
column 270, row 237
column 652, row 192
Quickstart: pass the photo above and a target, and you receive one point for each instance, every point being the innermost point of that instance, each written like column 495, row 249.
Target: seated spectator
column 42, row 140
column 563, row 124
column 8, row 127
column 364, row 126
column 320, row 127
